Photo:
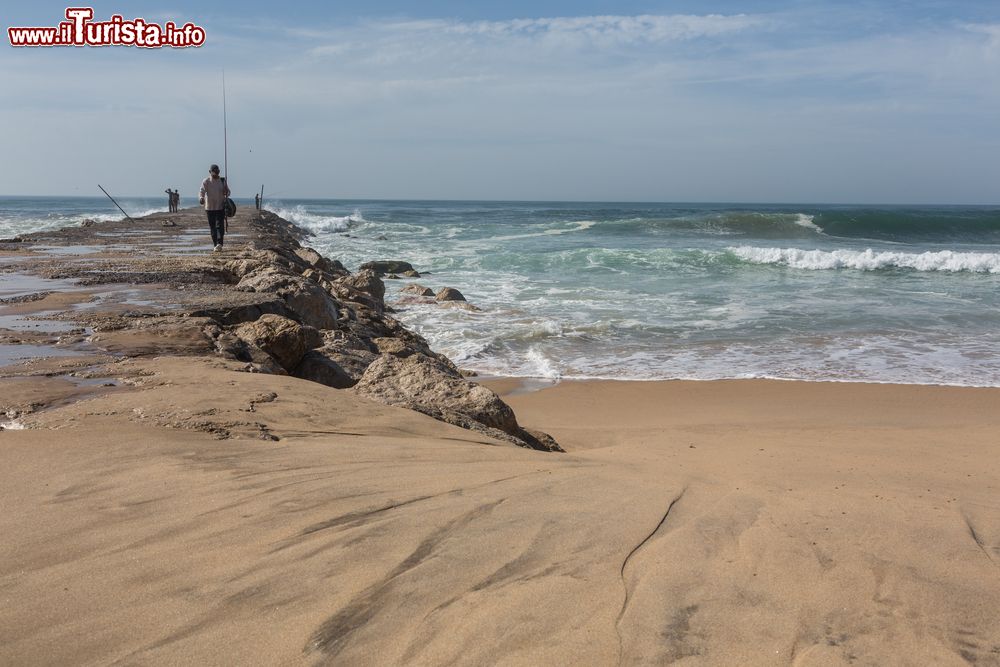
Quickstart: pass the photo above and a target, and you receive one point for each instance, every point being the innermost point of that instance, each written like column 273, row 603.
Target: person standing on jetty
column 173, row 200
column 212, row 196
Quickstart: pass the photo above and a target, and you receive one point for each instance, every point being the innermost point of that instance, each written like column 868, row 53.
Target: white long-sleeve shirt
column 214, row 191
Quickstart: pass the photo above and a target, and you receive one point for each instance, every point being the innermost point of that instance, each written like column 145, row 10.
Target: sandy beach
column 164, row 506
column 477, row 334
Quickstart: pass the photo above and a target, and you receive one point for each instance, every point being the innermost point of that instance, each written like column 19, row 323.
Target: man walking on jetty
column 212, row 196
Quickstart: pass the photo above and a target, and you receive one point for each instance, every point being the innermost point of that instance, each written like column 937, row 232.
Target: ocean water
column 21, row 215
column 658, row 291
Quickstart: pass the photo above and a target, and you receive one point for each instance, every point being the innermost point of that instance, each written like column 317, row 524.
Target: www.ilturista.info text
column 80, row 30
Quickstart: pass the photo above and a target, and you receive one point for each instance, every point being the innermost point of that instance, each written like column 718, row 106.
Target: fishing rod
column 116, row 203
column 225, row 147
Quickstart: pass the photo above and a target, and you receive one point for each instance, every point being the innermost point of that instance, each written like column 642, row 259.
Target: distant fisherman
column 212, row 196
column 173, row 200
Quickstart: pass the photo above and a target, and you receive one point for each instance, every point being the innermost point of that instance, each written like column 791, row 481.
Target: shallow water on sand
column 13, row 353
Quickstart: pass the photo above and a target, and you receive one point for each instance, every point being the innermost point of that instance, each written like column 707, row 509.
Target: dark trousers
column 217, row 225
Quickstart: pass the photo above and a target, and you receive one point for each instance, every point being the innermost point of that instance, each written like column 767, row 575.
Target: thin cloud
column 565, row 32
column 992, row 32
column 647, row 27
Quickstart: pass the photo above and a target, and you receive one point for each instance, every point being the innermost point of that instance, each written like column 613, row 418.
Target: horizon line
column 542, row 201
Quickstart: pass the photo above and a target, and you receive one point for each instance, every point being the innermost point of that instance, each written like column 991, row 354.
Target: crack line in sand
column 628, row 558
column 978, row 540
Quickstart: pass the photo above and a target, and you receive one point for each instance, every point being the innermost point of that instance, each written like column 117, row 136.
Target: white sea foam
column 10, row 225
column 870, row 260
column 579, row 226
column 112, row 217
column 319, row 223
column 541, row 365
column 803, row 220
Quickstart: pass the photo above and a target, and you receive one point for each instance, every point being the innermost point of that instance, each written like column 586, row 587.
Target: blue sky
column 809, row 101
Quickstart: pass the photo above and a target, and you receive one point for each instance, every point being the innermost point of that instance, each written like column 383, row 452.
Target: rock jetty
column 267, row 301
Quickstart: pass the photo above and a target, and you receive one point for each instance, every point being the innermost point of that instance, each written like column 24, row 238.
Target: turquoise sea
column 656, row 291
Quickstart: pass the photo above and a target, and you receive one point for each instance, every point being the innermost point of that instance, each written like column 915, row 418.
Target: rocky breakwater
column 337, row 331
column 279, row 307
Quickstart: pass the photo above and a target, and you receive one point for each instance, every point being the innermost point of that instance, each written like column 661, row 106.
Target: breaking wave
column 757, row 224
column 112, row 217
column 27, row 224
column 914, row 225
column 870, row 260
column 319, row 223
column 803, row 220
column 935, row 224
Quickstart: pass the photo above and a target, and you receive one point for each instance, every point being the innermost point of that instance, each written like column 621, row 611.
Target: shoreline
column 177, row 492
column 544, row 382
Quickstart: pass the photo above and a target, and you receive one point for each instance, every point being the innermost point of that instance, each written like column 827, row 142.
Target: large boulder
column 385, row 266
column 285, row 340
column 369, row 327
column 367, row 282
column 244, row 266
column 313, row 305
column 460, row 305
column 237, row 307
column 310, row 256
column 350, row 337
column 393, row 346
column 340, row 361
column 231, row 346
column 346, row 293
column 427, row 385
column 277, row 257
column 449, row 294
column 417, row 289
column 420, row 380
column 340, row 369
column 318, row 261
